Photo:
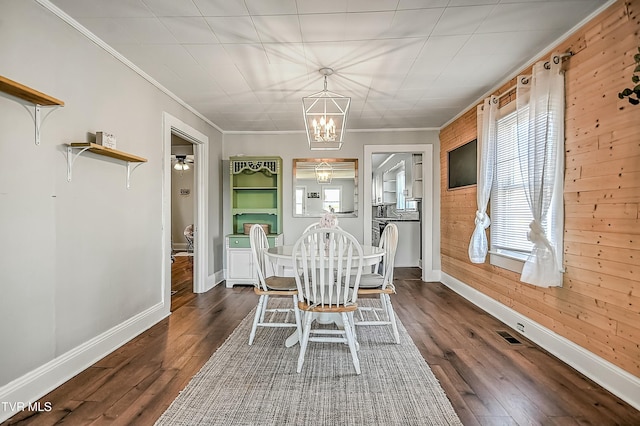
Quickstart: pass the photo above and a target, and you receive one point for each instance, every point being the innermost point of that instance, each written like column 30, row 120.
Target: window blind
column 510, row 213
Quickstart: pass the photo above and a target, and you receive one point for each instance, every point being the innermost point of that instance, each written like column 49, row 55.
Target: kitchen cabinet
column 408, row 252
column 414, row 178
column 385, row 183
column 389, row 195
column 376, row 188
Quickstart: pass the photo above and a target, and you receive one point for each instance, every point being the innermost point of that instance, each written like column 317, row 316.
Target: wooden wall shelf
column 101, row 150
column 30, row 95
column 108, row 152
column 27, row 93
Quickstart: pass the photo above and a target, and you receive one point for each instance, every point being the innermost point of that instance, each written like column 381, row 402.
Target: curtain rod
column 556, row 59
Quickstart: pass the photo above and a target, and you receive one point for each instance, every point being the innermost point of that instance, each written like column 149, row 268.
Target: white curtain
column 487, row 116
column 540, row 114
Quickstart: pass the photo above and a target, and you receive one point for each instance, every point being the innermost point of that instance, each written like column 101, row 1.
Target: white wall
column 80, row 259
column 294, row 145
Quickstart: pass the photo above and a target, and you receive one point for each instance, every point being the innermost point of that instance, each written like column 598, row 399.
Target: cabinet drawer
column 239, row 242
column 243, row 241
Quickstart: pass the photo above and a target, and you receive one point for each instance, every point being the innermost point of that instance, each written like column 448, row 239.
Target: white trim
column 506, row 262
column 180, row 246
column 613, row 378
column 428, row 273
column 100, row 43
column 534, row 59
column 215, row 279
column 75, row 24
column 302, row 132
column 37, row 383
column 173, row 125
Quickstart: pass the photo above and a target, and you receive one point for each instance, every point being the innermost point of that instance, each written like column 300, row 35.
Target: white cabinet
column 240, row 269
column 376, row 190
column 408, row 251
column 389, row 188
column 414, row 180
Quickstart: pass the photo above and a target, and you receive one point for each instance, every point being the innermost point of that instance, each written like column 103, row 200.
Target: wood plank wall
column 598, row 306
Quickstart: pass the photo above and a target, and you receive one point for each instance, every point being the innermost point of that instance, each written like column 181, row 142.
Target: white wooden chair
column 320, row 258
column 270, row 285
column 381, row 284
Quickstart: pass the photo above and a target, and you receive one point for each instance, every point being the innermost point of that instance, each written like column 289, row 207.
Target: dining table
column 281, row 258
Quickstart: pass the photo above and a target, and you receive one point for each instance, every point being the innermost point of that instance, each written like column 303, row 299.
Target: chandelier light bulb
column 181, row 166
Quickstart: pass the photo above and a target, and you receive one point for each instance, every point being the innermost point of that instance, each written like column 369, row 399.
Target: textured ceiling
column 246, row 64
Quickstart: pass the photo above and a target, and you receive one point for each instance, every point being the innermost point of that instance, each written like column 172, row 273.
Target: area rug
column 258, row 384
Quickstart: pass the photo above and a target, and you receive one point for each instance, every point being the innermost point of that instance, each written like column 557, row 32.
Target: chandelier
column 324, row 172
column 325, row 117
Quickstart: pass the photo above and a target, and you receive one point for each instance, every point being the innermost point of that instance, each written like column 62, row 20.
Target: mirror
column 325, row 184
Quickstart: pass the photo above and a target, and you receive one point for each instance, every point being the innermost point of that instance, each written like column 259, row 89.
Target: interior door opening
column 201, row 253
column 183, row 193
column 394, row 199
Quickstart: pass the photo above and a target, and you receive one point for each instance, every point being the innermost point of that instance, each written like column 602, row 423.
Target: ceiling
column 246, row 64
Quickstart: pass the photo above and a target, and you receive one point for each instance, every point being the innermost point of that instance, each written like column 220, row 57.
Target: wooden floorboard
column 488, row 380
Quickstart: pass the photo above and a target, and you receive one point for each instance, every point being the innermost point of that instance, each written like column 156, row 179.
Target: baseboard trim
column 617, row 381
column 37, row 383
column 214, row 280
column 180, row 247
column 431, row 275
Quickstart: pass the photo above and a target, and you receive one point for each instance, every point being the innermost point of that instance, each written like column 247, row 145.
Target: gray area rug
column 258, row 384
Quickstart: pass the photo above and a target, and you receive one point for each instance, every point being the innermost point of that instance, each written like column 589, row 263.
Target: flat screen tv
column 462, row 165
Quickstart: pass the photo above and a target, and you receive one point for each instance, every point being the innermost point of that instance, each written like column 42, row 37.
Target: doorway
column 371, row 152
column 172, row 128
column 182, row 213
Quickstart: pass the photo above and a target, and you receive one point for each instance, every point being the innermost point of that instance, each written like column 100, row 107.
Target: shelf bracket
column 130, row 168
column 132, row 161
column 38, row 120
column 72, row 159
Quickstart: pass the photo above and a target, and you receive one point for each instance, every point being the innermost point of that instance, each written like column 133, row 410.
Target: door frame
column 428, row 272
column 172, row 125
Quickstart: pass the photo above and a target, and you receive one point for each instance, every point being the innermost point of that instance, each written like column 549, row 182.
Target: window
column 299, row 199
column 521, row 171
column 510, row 213
column 331, row 197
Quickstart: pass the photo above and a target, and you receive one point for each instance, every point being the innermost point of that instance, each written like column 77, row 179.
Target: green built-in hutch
column 255, row 197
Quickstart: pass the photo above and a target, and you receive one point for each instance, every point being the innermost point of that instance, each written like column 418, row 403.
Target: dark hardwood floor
column 488, row 380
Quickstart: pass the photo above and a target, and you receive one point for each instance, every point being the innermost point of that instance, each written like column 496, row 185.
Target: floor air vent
column 509, row 338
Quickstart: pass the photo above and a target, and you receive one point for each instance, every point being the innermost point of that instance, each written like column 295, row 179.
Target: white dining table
column 280, row 258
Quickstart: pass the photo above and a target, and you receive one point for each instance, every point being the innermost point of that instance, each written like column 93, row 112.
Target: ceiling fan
column 182, row 163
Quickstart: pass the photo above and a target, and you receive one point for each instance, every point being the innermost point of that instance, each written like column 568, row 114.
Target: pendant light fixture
column 181, row 163
column 325, row 117
column 324, row 173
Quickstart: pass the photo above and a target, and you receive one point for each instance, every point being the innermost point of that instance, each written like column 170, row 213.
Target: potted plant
column 630, row 93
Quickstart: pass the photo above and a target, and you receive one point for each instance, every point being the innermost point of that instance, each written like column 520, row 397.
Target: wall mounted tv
column 462, row 165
